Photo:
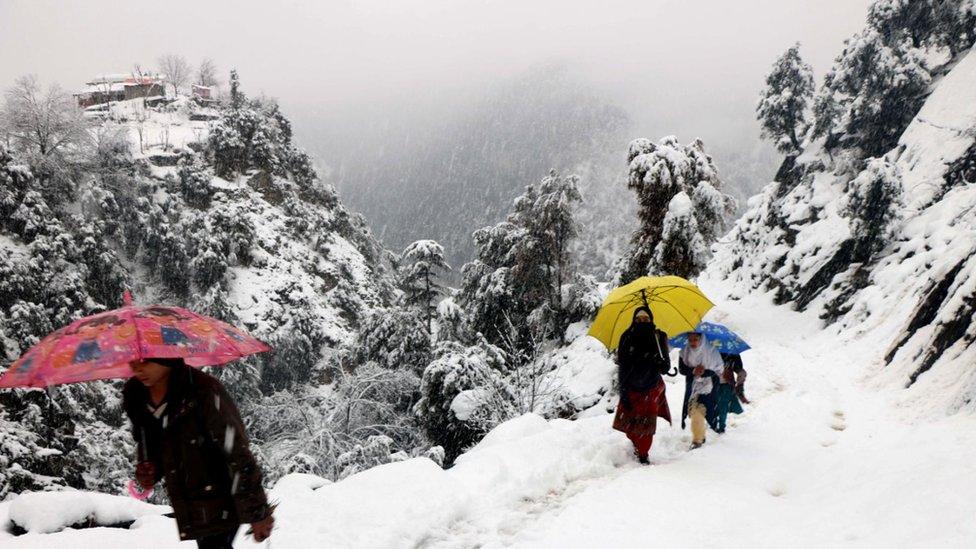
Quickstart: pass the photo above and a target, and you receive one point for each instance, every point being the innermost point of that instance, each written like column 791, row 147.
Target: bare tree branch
column 176, row 69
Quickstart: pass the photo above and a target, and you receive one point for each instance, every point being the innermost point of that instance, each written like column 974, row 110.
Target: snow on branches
column 783, row 103
column 658, row 174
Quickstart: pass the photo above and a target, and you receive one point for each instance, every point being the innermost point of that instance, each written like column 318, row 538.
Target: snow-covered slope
column 178, row 203
column 916, row 297
column 820, row 459
column 302, row 250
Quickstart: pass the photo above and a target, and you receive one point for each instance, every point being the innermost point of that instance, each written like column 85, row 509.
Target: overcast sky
column 676, row 65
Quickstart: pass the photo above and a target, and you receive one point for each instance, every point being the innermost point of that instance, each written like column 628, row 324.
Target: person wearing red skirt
column 642, row 358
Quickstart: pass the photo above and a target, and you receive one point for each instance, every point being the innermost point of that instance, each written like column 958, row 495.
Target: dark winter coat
column 708, row 401
column 733, row 367
column 640, row 359
column 199, row 447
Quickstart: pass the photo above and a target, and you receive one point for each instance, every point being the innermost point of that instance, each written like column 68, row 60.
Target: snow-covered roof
column 103, row 88
column 126, row 78
column 116, row 77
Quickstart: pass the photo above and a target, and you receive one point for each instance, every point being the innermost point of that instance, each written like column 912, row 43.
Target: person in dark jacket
column 188, row 431
column 738, row 369
column 642, row 357
column 726, row 400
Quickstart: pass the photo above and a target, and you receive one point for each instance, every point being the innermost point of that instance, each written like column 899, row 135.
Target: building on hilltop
column 119, row 87
column 205, row 93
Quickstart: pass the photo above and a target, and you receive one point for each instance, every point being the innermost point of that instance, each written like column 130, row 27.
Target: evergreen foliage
column 686, row 226
column 784, row 102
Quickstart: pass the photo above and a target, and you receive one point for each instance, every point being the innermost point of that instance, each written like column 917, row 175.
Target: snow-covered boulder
column 47, row 512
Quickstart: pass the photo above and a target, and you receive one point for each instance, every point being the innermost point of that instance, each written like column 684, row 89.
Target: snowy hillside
column 817, row 447
column 914, row 293
column 186, row 202
column 300, row 249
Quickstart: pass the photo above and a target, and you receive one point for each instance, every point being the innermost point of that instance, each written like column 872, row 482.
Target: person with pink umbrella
column 187, row 428
column 188, row 431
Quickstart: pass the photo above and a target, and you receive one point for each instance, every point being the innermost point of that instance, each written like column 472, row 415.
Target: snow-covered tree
column 297, row 342
column 682, row 250
column 42, row 122
column 523, row 264
column 879, row 81
column 421, row 265
column 255, row 135
column 874, row 204
column 237, row 97
column 927, row 23
column 658, row 173
column 783, row 103
column 195, row 185
column 458, row 390
column 453, row 322
column 548, row 217
column 394, row 338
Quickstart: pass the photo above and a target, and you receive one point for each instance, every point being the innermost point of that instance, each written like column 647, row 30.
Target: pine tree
column 927, row 23
column 658, row 173
column 874, row 203
column 33, row 217
column 105, row 276
column 548, row 217
column 523, row 264
column 393, row 338
column 455, row 423
column 297, row 342
column 682, row 250
column 453, row 322
column 195, row 185
column 209, row 265
column 879, row 81
column 236, row 95
column 782, row 108
column 173, row 261
column 422, row 262
column 264, row 149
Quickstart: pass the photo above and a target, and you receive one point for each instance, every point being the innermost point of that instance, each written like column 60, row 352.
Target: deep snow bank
column 916, row 297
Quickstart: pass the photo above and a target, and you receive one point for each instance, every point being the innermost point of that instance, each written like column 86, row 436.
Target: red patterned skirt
column 645, row 408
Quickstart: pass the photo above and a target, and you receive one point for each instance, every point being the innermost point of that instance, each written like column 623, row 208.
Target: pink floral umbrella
column 103, row 345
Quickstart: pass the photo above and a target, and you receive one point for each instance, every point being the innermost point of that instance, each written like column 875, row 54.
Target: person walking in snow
column 188, row 431
column 701, row 364
column 726, row 399
column 735, row 362
column 642, row 357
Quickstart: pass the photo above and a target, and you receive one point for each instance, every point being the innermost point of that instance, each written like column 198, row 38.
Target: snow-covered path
column 816, row 461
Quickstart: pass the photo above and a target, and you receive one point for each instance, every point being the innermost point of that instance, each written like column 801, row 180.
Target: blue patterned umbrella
column 724, row 339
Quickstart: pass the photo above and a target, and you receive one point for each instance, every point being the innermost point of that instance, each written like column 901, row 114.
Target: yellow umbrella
column 678, row 306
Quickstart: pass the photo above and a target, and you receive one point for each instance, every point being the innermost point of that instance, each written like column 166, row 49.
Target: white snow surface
column 941, row 132
column 823, row 457
column 48, row 512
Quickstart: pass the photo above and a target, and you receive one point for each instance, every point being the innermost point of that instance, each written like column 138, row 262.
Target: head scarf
column 645, row 309
column 705, row 355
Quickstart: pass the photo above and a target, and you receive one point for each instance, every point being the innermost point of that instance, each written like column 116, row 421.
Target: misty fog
column 430, row 116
